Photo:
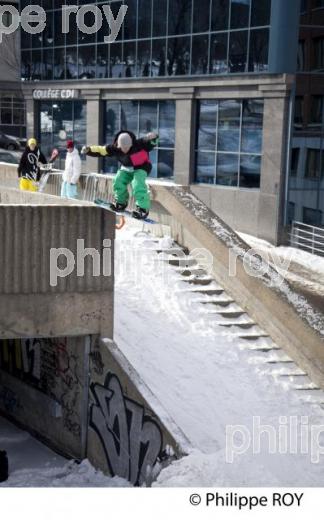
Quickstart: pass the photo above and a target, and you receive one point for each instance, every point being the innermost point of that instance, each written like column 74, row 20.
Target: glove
column 85, row 150
column 152, row 136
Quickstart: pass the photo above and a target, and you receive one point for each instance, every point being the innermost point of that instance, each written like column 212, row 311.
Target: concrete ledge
column 287, row 317
column 124, row 411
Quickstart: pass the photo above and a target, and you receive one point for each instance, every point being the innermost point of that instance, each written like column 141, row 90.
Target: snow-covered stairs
column 212, row 301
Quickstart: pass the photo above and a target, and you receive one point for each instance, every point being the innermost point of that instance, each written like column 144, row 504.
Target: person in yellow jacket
column 29, row 166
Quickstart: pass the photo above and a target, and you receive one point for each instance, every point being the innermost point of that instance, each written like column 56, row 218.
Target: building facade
column 306, row 181
column 215, row 78
column 12, row 104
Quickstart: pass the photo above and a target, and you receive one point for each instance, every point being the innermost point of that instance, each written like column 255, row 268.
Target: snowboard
column 126, row 213
column 48, row 168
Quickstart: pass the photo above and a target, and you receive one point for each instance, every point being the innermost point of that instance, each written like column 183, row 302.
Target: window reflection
column 229, row 142
column 155, row 41
column 178, row 56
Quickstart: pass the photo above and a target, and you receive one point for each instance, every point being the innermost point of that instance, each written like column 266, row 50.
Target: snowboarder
column 133, row 154
column 72, row 172
column 29, row 166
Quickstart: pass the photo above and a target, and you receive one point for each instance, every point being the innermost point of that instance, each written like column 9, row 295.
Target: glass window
column 240, row 13
column 201, row 17
column 231, row 132
column 26, row 65
column 319, row 53
column 199, row 58
column 167, row 124
column 294, row 161
column 301, row 56
column 259, row 50
column 165, row 165
column 129, row 60
column 87, row 62
column 158, row 57
column 218, row 53
column 317, row 106
column 227, row 169
column 312, row 217
column 48, row 64
column 71, row 62
column 238, row 51
column 291, row 212
column 313, row 167
column 144, row 18
column 261, row 11
column 160, row 9
column 205, row 167
column 143, row 58
column 102, row 61
column 36, row 65
column 229, row 126
column 79, row 123
column 116, row 60
column 178, row 56
column 129, row 116
column 59, row 63
column 298, row 118
column 59, row 35
column 250, row 171
column 112, row 120
column 252, row 123
column 148, row 117
column 207, row 121
column 61, row 120
column 220, row 15
column 130, row 20
column 180, row 17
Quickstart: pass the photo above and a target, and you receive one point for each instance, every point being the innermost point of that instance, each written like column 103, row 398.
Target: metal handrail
column 304, row 239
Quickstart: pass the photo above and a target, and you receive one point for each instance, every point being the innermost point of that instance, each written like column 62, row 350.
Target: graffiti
column 21, row 358
column 51, row 367
column 60, row 375
column 132, row 440
column 97, row 363
column 9, row 399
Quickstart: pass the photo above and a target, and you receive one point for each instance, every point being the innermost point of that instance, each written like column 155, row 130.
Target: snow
column 307, row 260
column 203, row 377
column 201, row 374
column 32, row 464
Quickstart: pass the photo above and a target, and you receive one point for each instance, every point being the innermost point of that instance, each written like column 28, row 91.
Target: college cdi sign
column 66, row 93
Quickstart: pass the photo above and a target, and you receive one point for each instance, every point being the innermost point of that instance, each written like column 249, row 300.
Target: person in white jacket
column 71, row 173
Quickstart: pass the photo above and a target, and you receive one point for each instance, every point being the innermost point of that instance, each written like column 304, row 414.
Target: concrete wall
column 38, row 296
column 130, row 434
column 43, row 386
column 82, row 397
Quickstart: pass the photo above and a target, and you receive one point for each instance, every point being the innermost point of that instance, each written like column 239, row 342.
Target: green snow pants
column 139, row 187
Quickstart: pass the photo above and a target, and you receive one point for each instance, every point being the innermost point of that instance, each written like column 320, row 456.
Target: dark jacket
column 28, row 166
column 137, row 157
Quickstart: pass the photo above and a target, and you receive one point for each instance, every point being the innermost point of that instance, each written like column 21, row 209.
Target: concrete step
column 243, row 325
column 183, row 262
column 201, row 281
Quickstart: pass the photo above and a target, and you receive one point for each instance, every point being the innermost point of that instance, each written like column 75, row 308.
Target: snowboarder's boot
column 140, row 213
column 117, row 207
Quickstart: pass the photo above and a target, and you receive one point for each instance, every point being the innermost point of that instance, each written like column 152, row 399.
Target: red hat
column 70, row 144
